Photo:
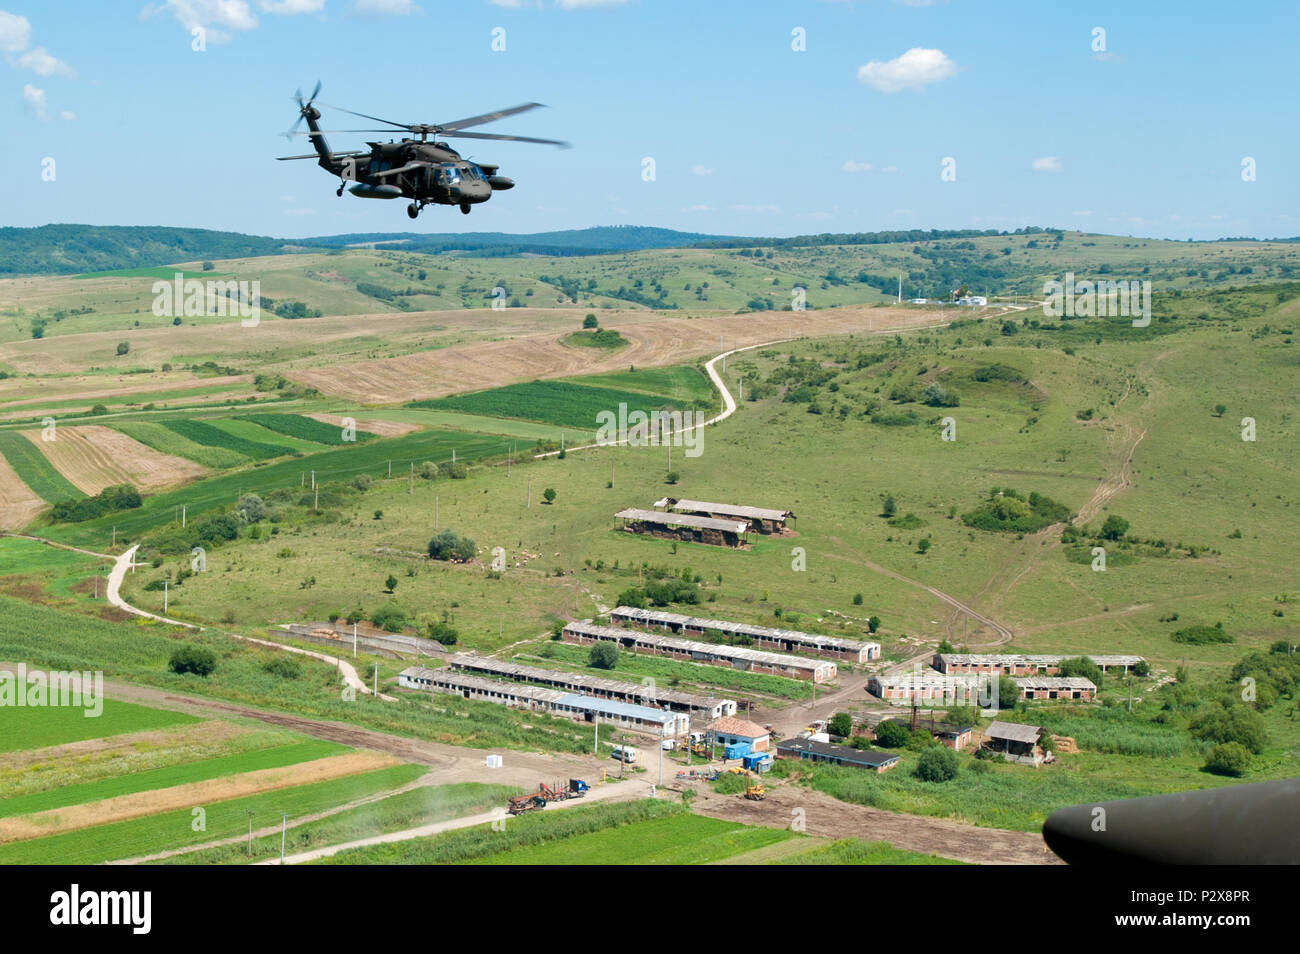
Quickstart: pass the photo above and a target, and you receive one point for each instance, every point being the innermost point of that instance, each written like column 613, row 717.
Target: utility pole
column 390, row 468
column 115, row 537
column 250, row 832
column 595, row 737
column 661, row 755
column 611, row 473
column 165, row 588
column 313, row 480
column 184, row 507
column 283, row 824
column 354, row 640
column 316, row 504
column 670, row 455
column 529, row 504
column 410, row 481
column 741, row 387
column 435, row 511
column 376, row 689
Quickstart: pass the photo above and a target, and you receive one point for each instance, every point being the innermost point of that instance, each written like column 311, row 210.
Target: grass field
column 33, row 728
column 170, row 830
column 550, row 402
column 162, row 438
column 209, row 434
column 681, row 839
column 410, row 809
column 304, row 428
column 855, row 851
column 35, row 469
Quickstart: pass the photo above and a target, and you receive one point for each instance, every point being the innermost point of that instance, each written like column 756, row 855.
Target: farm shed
column 808, row 750
column 721, row 533
column 739, row 736
column 649, row 695
column 1023, row 664
column 911, row 687
column 537, row 699
column 1015, row 741
column 785, row 640
column 711, row 654
column 1055, row 687
column 762, row 519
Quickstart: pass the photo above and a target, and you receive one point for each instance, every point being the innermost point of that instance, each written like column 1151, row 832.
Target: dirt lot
column 160, row 800
column 655, row 342
column 371, row 425
column 115, row 746
column 94, row 457
column 827, row 818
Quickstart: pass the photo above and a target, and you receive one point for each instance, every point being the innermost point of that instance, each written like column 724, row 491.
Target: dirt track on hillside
column 655, row 342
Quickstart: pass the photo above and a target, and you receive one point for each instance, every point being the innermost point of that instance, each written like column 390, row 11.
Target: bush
column 937, row 763
column 1114, row 528
column 283, row 667
column 448, row 545
column 1202, row 635
column 192, row 659
column 841, row 724
column 892, row 734
column 109, row 500
column 1230, row 758
column 442, row 631
column 250, row 508
column 391, row 617
column 603, row 655
column 634, row 597
column 1081, row 666
column 1236, row 723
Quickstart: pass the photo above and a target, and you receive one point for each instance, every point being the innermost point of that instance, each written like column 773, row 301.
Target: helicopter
column 428, row 172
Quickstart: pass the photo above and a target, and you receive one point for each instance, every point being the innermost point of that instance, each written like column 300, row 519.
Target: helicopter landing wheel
column 412, row 210
column 339, row 192
column 464, row 208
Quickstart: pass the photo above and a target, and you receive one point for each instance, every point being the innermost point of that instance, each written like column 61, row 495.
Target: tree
column 448, row 545
column 889, row 506
column 549, row 495
column 892, row 735
column 1114, row 527
column 857, row 599
column 946, row 647
column 390, row 584
column 938, row 763
column 873, row 624
column 1230, row 758
column 672, row 477
column 1220, row 410
column 603, row 655
column 924, row 546
column 250, row 508
column 1008, row 693
column 590, row 321
column 123, row 347
column 356, row 616
column 1237, row 723
column 634, row 597
column 208, row 266
column 192, row 659
column 1081, row 666
column 390, row 617
column 841, row 724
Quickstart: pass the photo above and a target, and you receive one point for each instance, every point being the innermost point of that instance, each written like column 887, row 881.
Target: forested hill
column 592, row 241
column 72, row 249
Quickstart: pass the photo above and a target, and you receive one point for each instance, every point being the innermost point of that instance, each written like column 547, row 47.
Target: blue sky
column 748, row 135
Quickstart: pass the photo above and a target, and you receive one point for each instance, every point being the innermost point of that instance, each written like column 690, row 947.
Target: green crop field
column 551, row 402
column 855, row 851
column 305, row 428
column 209, row 434
column 28, row 727
column 143, row 781
column 681, row 839
column 35, row 470
column 169, row 441
column 226, row 819
column 685, row 384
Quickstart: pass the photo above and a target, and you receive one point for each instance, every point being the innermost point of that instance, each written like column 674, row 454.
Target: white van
column 625, row 753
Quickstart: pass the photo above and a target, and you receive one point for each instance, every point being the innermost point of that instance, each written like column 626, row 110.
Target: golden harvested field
column 655, row 341
column 94, row 457
column 18, row 505
column 140, row 804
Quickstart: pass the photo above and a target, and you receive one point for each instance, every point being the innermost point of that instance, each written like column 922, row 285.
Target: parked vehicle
column 625, row 753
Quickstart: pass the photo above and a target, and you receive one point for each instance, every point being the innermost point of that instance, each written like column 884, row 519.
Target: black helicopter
column 426, row 172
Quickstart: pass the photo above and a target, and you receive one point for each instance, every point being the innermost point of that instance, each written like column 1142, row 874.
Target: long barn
column 713, row 654
column 763, row 519
column 1022, row 664
column 685, row 527
column 785, row 640
column 706, row 707
column 570, row 705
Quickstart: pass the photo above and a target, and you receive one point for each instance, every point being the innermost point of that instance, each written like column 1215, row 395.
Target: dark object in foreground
column 1257, row 824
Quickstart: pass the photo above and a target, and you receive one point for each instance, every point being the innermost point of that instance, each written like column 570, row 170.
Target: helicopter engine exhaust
column 363, row 191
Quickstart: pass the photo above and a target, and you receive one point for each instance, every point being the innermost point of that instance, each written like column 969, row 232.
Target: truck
column 625, row 753
column 533, row 801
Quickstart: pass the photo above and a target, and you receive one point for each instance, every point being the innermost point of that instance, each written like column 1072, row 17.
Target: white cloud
column 851, row 166
column 699, row 208
column 15, row 32
column 815, row 216
column 701, row 171
column 1048, row 164
column 34, row 97
column 915, row 69
column 1082, row 212
column 889, row 170
column 385, row 8
column 41, row 63
column 587, row 4
column 215, row 17
column 292, row 7
column 67, row 115
column 763, row 209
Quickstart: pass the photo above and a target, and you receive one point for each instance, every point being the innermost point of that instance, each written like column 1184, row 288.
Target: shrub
column 391, row 617
column 192, row 659
column 937, row 763
column 448, row 545
column 1230, row 758
column 1236, row 723
column 603, row 655
column 1202, row 635
column 282, row 667
column 841, row 724
column 892, row 735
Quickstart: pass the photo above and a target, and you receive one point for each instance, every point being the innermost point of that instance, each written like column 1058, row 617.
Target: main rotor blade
column 355, row 152
column 365, row 116
column 314, row 92
column 323, row 132
column 485, row 118
column 545, row 142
